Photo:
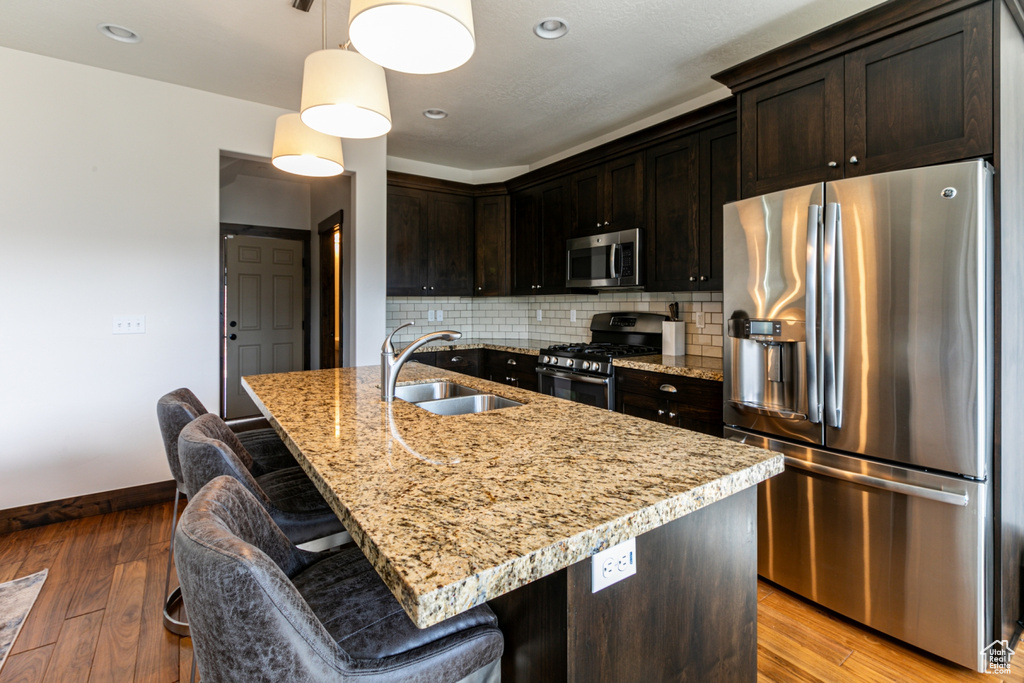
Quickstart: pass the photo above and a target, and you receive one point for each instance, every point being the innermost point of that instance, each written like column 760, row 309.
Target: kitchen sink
column 465, row 405
column 432, row 391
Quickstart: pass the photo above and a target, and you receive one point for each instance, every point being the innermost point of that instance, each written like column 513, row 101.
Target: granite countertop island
column 454, row 511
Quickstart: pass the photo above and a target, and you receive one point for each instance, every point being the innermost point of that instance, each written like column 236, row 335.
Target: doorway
column 265, row 306
column 330, row 247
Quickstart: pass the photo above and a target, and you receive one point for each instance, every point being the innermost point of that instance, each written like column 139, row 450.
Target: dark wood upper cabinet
column 791, row 130
column 407, row 224
column 673, row 211
column 492, row 246
column 608, row 196
column 913, row 92
column 688, row 181
column 540, row 222
column 921, row 97
column 430, row 243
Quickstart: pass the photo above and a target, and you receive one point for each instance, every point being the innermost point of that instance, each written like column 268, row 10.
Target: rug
column 16, row 599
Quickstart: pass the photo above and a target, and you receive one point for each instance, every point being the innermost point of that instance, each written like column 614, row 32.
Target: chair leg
column 170, row 623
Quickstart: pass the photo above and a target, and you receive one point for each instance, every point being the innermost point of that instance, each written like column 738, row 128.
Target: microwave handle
column 616, row 248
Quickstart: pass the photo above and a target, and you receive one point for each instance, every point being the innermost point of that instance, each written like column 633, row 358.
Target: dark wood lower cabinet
column 689, row 613
column 514, row 369
column 694, row 404
column 466, row 361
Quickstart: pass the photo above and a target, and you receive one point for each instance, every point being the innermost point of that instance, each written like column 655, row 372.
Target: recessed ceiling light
column 119, row 33
column 551, row 28
column 435, row 113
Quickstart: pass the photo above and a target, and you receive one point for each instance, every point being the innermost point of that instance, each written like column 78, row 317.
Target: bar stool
column 174, row 410
column 263, row 609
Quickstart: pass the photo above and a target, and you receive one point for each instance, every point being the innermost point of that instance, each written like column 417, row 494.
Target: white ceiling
column 518, row 100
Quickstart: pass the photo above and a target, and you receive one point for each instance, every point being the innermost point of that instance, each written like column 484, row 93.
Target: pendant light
column 301, row 150
column 343, row 93
column 416, row 37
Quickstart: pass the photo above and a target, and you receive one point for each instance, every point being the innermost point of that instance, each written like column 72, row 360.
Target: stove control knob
column 586, row 365
column 569, row 363
column 545, row 359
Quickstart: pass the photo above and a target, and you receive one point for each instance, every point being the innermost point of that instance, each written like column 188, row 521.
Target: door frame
column 303, row 236
column 329, row 306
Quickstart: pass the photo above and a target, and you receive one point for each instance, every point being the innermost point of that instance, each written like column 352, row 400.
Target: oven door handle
column 574, row 377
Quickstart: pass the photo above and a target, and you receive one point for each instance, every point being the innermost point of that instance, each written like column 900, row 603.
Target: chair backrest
column 247, row 619
column 174, row 410
column 207, row 448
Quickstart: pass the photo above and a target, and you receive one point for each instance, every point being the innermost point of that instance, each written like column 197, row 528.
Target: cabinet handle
column 693, row 278
column 661, row 412
column 854, row 160
column 599, row 224
column 832, row 164
column 533, row 286
column 424, row 287
column 606, row 222
column 538, row 286
column 511, row 361
column 669, row 388
column 671, row 414
column 703, row 278
column 431, row 289
column 456, row 359
column 479, row 289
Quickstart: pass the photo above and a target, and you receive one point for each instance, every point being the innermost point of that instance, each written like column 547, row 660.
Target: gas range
column 584, row 372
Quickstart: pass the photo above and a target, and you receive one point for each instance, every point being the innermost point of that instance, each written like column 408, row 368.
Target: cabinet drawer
column 464, row 361
column 425, row 357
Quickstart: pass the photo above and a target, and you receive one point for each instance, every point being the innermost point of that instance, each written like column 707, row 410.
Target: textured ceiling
column 518, row 100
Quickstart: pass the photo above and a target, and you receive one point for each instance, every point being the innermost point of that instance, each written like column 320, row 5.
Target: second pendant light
column 345, row 94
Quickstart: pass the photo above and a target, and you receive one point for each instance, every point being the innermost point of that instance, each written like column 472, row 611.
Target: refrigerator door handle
column 832, row 324
column 949, row 497
column 811, row 313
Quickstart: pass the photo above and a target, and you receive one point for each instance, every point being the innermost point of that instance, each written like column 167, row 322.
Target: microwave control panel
column 628, row 260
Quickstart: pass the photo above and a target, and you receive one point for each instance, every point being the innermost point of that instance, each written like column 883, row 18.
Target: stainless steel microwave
column 614, row 259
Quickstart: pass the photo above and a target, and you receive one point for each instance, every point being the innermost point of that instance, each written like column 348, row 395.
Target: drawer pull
column 661, row 412
column 511, row 361
column 671, row 414
column 669, row 388
column 456, row 359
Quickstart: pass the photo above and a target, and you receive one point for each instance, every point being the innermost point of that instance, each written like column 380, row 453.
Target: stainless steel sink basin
column 464, row 405
column 417, row 393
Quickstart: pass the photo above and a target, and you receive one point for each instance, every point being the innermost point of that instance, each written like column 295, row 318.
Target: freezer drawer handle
column 939, row 496
column 769, row 412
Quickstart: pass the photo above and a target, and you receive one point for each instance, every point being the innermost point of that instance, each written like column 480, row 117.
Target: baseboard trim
column 39, row 514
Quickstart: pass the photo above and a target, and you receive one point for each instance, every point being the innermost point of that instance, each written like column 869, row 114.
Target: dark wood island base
column 689, row 613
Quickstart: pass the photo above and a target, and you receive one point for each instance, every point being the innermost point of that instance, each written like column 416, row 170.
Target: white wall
column 249, row 200
column 109, row 189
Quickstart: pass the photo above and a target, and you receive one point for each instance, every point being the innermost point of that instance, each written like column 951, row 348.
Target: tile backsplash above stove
column 517, row 317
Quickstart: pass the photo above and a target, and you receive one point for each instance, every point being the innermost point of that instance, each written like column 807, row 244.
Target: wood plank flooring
column 98, row 616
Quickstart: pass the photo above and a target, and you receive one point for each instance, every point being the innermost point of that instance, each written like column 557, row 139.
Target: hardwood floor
column 98, row 616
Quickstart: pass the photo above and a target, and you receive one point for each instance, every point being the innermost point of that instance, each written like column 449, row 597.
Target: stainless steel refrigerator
column 859, row 318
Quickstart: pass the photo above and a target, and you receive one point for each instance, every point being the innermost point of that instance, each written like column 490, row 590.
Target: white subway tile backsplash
column 516, row 317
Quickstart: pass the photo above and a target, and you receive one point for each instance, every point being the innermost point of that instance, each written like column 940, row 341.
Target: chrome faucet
column 390, row 365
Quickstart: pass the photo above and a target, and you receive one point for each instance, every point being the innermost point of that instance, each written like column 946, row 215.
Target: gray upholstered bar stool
column 264, row 610
column 207, row 448
column 174, row 410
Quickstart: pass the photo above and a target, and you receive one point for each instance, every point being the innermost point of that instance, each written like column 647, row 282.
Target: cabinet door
column 587, row 191
column 554, row 230
column 406, row 223
column 449, row 245
column 639, row 405
column 921, row 97
column 624, row 193
column 525, row 241
column 791, row 130
column 492, row 246
column 718, row 185
column 673, row 215
column 466, row 361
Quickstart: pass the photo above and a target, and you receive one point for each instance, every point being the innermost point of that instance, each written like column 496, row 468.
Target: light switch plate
column 699, row 315
column 129, row 324
column 613, row 565
column 540, row 315
column 572, row 315
column 440, row 315
column 430, row 315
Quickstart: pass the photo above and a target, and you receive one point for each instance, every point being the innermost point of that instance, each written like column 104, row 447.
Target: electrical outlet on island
column 613, row 565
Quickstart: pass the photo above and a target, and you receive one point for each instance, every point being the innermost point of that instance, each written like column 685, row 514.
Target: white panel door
column 263, row 313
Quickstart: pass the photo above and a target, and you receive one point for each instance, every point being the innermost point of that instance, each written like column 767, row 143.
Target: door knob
column 232, row 323
column 232, row 336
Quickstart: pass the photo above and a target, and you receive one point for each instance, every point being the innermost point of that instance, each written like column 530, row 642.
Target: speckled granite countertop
column 456, row 510
column 698, row 367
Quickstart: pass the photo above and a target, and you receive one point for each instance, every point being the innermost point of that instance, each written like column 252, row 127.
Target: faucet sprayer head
column 451, row 336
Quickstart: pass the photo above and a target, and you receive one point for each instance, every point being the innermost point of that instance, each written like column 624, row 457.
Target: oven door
column 593, row 391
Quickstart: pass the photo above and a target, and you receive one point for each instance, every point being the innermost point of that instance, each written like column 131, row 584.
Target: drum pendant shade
column 301, row 150
column 417, row 37
column 344, row 94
